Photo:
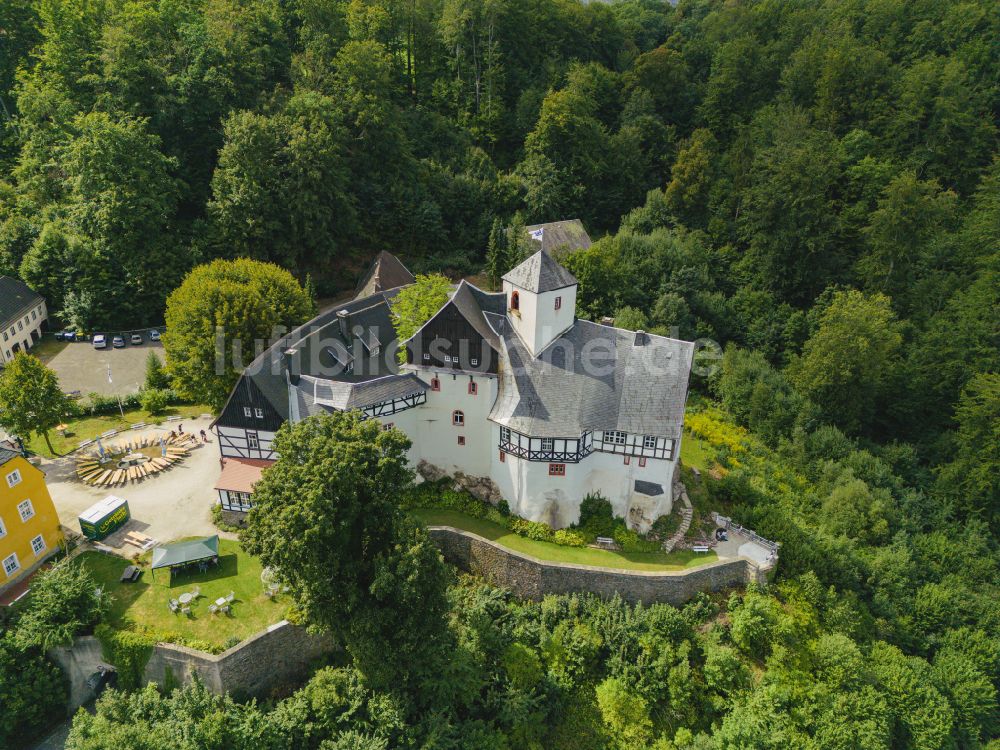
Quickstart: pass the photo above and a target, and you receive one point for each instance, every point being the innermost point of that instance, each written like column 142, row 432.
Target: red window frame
column 458, row 418
column 461, row 439
column 503, row 457
column 557, row 470
column 435, row 384
column 558, row 302
column 628, row 460
column 473, row 388
column 515, row 301
column 642, row 461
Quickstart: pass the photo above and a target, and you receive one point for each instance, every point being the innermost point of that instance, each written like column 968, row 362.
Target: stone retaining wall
column 280, row 654
column 531, row 578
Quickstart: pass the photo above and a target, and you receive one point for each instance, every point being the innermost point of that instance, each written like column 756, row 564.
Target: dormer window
column 515, row 301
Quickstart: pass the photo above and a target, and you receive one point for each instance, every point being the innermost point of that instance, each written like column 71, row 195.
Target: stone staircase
column 686, row 513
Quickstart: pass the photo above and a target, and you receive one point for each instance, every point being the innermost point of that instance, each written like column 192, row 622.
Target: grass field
column 678, row 560
column 696, row 453
column 87, row 428
column 145, row 602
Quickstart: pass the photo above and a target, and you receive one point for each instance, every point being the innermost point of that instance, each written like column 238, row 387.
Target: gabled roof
column 568, row 234
column 540, row 273
column 7, row 455
column 593, row 377
column 386, row 272
column 15, row 297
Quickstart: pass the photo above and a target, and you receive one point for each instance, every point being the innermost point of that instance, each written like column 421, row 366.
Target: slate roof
column 568, row 234
column 387, row 272
column 652, row 489
column 7, row 455
column 15, row 297
column 467, row 303
column 592, row 378
column 540, row 273
column 315, row 394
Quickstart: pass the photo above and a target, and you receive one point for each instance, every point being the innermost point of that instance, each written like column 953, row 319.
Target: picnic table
column 131, row 574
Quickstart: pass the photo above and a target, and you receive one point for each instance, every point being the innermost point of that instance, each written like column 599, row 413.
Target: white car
column 100, row 341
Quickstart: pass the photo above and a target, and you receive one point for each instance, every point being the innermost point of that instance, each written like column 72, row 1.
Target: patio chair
column 186, row 611
column 196, row 592
column 230, row 596
column 174, row 605
column 212, row 608
column 225, row 609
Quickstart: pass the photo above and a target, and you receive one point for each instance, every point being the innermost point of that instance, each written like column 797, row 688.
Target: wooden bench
column 605, row 541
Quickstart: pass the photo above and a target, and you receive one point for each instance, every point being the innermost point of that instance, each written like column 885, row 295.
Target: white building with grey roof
column 509, row 390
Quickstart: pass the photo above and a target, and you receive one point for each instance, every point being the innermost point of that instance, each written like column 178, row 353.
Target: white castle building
column 508, row 391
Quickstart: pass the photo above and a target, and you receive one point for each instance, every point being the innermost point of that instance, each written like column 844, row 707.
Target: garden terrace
column 550, row 552
column 144, row 606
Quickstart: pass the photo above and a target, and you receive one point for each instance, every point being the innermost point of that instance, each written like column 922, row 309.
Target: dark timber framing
column 574, row 450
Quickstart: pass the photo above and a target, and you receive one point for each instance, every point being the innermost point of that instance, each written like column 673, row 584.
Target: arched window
column 458, row 418
column 515, row 301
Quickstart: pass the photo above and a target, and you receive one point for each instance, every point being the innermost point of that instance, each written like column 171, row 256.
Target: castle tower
column 541, row 300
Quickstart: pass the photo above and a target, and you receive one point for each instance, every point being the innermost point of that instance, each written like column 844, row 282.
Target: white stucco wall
column 533, row 493
column 539, row 322
column 12, row 335
column 430, row 428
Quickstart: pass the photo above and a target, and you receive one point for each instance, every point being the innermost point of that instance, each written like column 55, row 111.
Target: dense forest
column 813, row 184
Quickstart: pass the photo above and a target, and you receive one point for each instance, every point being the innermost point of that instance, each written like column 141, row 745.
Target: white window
column 246, row 412
column 38, row 545
column 259, row 413
column 26, row 510
column 548, row 444
column 505, row 434
column 614, row 437
column 252, row 441
column 447, row 358
column 10, row 564
column 475, row 362
column 457, row 418
column 14, row 478
column 3, row 529
column 648, row 441
column 427, row 355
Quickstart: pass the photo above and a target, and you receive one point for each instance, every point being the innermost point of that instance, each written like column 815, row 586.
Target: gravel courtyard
column 173, row 504
column 83, row 368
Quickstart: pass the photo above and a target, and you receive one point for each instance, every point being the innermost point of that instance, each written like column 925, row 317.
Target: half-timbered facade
column 505, row 386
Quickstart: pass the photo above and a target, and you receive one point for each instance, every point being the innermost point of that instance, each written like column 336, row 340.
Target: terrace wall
column 531, row 578
column 279, row 655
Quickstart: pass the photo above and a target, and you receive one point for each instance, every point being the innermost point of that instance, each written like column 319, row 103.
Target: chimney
column 342, row 316
column 293, row 365
column 640, row 338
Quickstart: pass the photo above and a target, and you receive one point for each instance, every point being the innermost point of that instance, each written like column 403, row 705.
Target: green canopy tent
column 182, row 553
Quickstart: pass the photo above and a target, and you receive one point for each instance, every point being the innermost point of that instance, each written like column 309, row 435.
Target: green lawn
column 678, row 560
column 696, row 452
column 145, row 603
column 87, row 428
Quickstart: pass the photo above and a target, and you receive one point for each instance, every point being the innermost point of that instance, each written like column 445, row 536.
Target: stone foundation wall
column 531, row 578
column 280, row 654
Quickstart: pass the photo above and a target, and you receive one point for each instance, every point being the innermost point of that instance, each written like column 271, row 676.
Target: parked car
column 66, row 335
column 154, row 335
column 136, row 338
column 100, row 341
column 118, row 342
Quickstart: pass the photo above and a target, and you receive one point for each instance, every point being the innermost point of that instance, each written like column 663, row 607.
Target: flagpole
column 117, row 395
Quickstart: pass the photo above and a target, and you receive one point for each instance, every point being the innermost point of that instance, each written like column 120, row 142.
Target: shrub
column 540, row 532
column 569, row 538
column 596, row 517
column 155, row 400
column 62, row 604
column 128, row 652
column 156, row 376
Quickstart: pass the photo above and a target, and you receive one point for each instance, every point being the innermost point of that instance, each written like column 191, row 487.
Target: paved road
column 169, row 505
column 83, row 368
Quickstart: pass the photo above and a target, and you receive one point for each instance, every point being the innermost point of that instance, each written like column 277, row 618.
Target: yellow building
column 29, row 524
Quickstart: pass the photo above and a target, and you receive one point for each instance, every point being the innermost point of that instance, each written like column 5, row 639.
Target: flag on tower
column 537, row 234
